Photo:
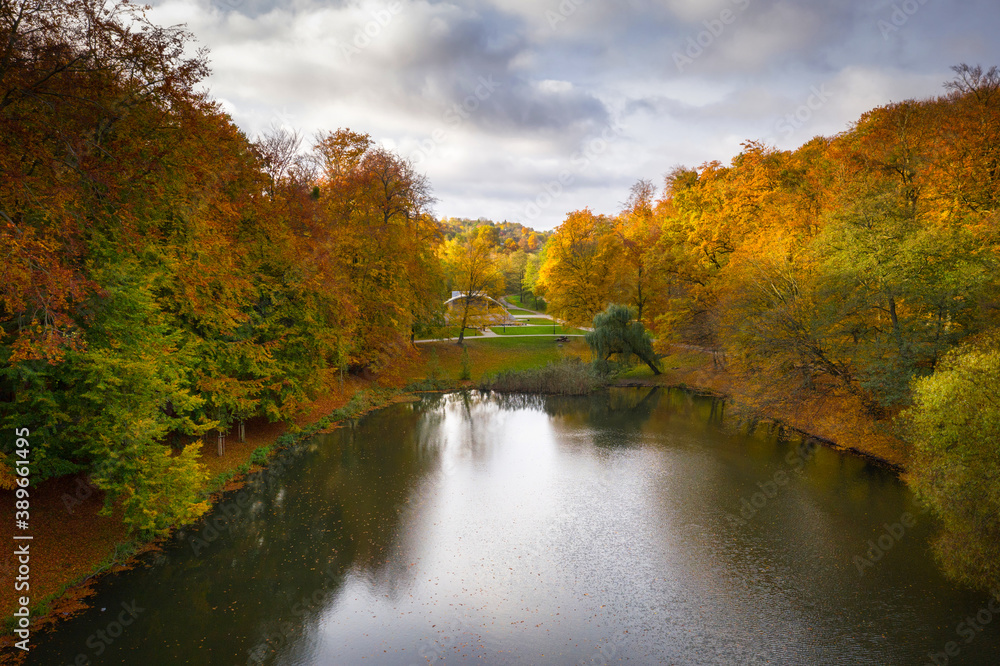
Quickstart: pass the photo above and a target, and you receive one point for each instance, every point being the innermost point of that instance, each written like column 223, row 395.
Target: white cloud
column 531, row 96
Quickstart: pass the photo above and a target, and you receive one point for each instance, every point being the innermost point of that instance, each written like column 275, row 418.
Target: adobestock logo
column 968, row 629
column 454, row 116
column 795, row 120
column 900, row 16
column 697, row 44
column 566, row 9
column 878, row 547
column 366, row 34
column 750, row 506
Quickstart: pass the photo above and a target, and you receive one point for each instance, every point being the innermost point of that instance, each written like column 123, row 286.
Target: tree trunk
column 896, row 331
column 465, row 320
column 638, row 296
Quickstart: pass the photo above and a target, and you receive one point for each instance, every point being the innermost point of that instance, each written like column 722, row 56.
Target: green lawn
column 488, row 356
column 540, row 321
column 452, row 332
column 519, row 311
column 535, row 330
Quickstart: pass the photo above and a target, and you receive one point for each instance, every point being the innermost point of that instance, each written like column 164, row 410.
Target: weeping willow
column 617, row 332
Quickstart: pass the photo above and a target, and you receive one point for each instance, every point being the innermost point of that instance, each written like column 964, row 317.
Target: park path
column 535, row 313
column 488, row 333
column 491, row 334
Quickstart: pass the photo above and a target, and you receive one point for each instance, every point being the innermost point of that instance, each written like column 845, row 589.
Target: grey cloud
column 557, row 86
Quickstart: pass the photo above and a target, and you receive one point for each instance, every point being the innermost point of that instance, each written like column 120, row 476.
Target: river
column 633, row 525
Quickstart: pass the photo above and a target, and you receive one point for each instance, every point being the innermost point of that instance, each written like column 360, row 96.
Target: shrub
column 567, row 377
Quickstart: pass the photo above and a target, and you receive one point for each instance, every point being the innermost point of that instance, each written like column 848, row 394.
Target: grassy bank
column 451, row 332
column 569, row 376
column 835, row 418
column 536, row 321
column 491, row 355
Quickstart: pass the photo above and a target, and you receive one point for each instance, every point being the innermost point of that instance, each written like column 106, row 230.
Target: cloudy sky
column 523, row 110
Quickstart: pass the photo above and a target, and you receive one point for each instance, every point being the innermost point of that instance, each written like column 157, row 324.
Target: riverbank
column 73, row 544
column 839, row 420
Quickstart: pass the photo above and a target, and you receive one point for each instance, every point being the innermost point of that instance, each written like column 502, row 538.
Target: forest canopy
column 163, row 274
column 852, row 264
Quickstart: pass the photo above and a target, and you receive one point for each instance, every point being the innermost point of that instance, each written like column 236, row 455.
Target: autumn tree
column 83, row 88
column 381, row 238
column 965, row 162
column 580, row 275
column 636, row 234
column 162, row 275
column 475, row 269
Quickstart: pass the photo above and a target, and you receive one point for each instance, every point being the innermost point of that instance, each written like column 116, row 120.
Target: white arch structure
column 504, row 315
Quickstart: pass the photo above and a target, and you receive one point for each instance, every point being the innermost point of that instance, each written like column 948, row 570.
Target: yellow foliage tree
column 582, row 272
column 475, row 268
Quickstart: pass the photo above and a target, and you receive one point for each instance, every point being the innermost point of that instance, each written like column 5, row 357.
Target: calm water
column 592, row 530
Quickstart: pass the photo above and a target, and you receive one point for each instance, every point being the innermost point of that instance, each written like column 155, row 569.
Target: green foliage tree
column 514, row 266
column 530, row 280
column 120, row 398
column 617, row 333
column 906, row 290
column 954, row 427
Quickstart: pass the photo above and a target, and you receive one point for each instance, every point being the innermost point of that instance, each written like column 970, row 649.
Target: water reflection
column 629, row 524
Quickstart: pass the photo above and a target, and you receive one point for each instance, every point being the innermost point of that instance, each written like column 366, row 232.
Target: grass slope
column 529, row 302
column 536, row 330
